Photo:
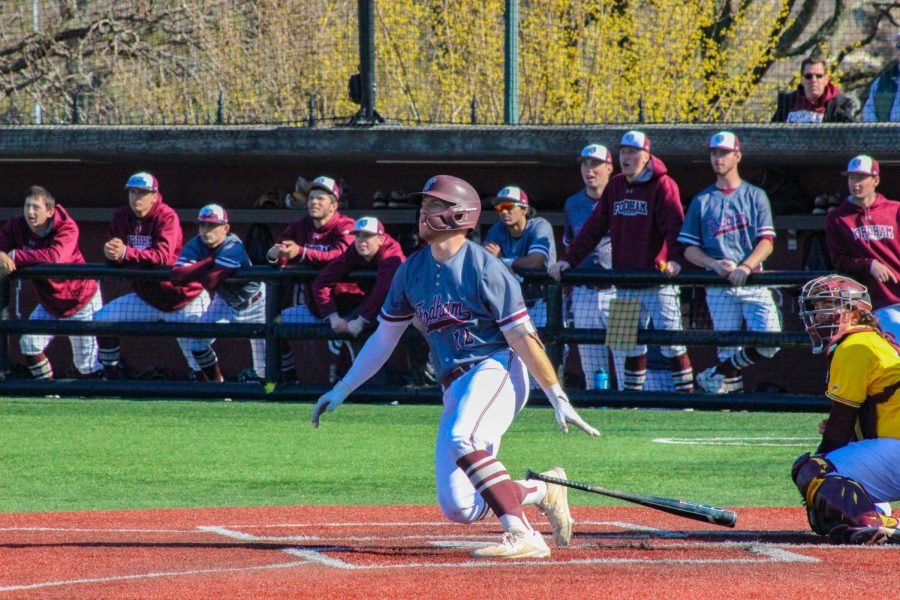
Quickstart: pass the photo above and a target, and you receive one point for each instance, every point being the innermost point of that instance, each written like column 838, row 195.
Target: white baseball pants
column 662, row 306
column 84, row 348
column 220, row 311
column 730, row 306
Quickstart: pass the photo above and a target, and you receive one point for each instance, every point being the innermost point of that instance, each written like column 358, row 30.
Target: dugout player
column 641, row 210
column 45, row 233
column 477, row 326
column 855, row 465
column 520, row 239
column 147, row 233
column 590, row 303
column 863, row 240
column 728, row 229
column 316, row 239
column 209, row 258
column 372, row 248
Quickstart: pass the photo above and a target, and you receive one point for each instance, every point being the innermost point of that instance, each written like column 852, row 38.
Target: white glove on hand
column 356, row 326
column 555, row 270
column 565, row 412
column 330, row 401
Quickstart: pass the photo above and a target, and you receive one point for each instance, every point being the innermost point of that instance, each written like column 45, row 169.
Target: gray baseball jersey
column 728, row 225
column 577, row 209
column 229, row 255
column 464, row 304
column 536, row 237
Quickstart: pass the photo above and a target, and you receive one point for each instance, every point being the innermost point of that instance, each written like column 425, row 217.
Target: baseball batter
column 147, row 233
column 45, row 233
column 210, row 258
column 855, row 465
column 641, row 210
column 477, row 326
column 728, row 229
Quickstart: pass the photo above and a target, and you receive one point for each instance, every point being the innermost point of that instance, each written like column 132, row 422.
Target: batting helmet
column 825, row 301
column 464, row 209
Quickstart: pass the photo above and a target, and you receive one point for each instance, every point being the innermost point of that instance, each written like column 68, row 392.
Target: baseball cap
column 368, row 225
column 725, row 140
column 213, row 213
column 636, row 139
column 863, row 164
column 143, row 181
column 324, row 183
column 514, row 194
column 597, row 151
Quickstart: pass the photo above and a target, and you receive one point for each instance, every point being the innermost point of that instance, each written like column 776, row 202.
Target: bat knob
column 529, row 474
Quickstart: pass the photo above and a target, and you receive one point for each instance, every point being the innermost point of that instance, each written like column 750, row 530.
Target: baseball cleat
column 516, row 543
column 556, row 506
column 711, row 382
column 871, row 536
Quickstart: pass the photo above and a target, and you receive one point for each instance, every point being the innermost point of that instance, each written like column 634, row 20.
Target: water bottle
column 601, row 379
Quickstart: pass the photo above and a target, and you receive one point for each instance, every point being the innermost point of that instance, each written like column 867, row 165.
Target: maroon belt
column 458, row 372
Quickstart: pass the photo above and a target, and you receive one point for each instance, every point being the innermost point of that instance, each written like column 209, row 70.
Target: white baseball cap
column 863, row 164
column 142, row 181
column 596, row 151
column 725, row 140
column 213, row 213
column 636, row 139
column 324, row 183
column 368, row 225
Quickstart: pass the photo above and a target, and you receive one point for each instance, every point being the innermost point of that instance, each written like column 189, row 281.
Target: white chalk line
column 761, row 441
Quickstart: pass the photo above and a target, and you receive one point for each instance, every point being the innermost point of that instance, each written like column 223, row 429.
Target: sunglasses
column 507, row 206
column 811, row 75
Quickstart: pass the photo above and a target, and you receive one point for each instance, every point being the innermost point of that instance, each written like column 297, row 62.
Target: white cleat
column 516, row 543
column 556, row 506
column 711, row 382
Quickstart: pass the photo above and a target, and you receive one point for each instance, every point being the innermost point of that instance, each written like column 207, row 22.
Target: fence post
column 311, row 122
column 273, row 347
column 474, row 115
column 220, row 109
column 76, row 117
column 511, row 64
column 554, row 325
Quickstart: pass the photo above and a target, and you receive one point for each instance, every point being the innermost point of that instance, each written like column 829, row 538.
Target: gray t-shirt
column 577, row 209
column 536, row 237
column 464, row 304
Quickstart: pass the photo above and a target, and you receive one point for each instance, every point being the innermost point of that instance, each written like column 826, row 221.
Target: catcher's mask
column 464, row 204
column 826, row 306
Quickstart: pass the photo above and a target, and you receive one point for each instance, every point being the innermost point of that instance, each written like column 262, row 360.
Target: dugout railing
column 555, row 335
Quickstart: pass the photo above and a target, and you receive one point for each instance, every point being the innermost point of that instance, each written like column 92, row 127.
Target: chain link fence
column 207, row 62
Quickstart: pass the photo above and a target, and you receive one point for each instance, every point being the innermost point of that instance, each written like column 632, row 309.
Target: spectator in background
column 728, row 229
column 816, row 99
column 883, row 103
column 520, row 239
column 590, row 303
column 147, row 233
column 315, row 239
column 372, row 248
column 209, row 258
column 863, row 238
column 45, row 233
column 641, row 211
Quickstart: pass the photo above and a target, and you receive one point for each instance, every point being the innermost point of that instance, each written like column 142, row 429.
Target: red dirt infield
column 413, row 552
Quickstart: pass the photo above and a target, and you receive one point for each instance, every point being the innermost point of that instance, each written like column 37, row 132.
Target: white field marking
column 293, row 539
column 45, row 584
column 97, row 530
column 739, row 441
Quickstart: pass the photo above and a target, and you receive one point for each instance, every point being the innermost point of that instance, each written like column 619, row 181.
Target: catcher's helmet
column 825, row 305
column 464, row 209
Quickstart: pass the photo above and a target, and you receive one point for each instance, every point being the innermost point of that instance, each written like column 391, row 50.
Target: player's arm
column 377, row 349
column 340, row 242
column 162, row 248
column 761, row 252
column 839, row 428
column 524, row 341
column 322, row 287
column 60, row 249
column 670, row 216
column 590, row 234
column 838, row 249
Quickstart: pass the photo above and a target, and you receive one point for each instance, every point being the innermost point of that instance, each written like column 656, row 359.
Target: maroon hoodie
column 387, row 260
column 643, row 219
column 61, row 297
column 155, row 240
column 856, row 236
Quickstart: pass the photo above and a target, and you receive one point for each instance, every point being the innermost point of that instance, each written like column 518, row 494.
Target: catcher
column 855, row 467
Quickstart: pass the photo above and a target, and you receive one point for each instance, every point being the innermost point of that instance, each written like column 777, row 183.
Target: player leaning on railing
column 855, row 466
column 471, row 310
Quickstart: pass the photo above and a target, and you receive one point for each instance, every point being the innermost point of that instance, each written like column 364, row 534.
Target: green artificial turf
column 110, row 454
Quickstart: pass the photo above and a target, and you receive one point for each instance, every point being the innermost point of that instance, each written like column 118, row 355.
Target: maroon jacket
column 856, row 236
column 319, row 246
column 387, row 260
column 153, row 241
column 61, row 297
column 643, row 219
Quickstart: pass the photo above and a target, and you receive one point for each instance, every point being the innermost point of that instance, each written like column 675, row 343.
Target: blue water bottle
column 601, row 379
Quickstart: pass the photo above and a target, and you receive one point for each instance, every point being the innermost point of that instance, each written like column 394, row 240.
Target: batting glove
column 565, row 413
column 330, row 401
column 555, row 270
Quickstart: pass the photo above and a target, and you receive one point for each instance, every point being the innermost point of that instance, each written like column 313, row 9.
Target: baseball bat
column 691, row 510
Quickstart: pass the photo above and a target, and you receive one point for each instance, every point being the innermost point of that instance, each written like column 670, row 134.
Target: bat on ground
column 698, row 512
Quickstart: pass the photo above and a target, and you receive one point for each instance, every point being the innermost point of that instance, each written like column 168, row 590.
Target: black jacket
column 839, row 109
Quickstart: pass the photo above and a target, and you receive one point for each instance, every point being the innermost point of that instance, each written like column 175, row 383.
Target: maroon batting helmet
column 465, row 204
